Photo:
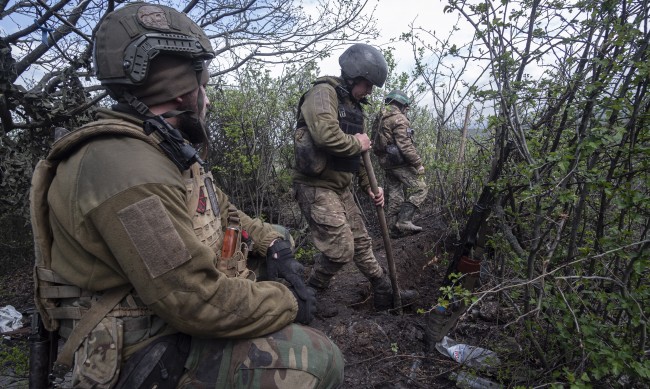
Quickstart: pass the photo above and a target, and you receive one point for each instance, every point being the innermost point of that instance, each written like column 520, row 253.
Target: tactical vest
column 203, row 207
column 58, row 300
column 384, row 146
column 350, row 118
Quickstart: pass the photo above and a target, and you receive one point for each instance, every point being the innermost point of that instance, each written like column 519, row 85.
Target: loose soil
column 382, row 350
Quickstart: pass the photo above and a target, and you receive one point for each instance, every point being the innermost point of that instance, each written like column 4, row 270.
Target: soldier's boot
column 321, row 276
column 383, row 291
column 393, row 231
column 404, row 221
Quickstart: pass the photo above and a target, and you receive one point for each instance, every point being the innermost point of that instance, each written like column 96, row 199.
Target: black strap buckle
column 173, row 144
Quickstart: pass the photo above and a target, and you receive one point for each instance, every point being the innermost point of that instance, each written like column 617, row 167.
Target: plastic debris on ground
column 470, row 381
column 470, row 356
column 10, row 319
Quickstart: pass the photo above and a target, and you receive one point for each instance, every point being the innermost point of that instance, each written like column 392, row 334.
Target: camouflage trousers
column 403, row 184
column 337, row 228
column 295, row 357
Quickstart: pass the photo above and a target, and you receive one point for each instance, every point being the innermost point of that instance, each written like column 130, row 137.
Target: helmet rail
column 140, row 52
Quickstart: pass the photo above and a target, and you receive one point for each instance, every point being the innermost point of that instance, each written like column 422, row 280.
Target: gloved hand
column 281, row 263
column 306, row 307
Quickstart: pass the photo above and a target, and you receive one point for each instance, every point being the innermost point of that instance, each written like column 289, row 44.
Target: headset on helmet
column 362, row 60
column 399, row 96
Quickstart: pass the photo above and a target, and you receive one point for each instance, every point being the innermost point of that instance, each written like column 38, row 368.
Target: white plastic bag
column 10, row 319
column 471, row 356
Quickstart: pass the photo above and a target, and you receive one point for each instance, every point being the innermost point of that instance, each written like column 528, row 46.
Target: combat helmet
column 149, row 54
column 398, row 96
column 362, row 60
column 129, row 38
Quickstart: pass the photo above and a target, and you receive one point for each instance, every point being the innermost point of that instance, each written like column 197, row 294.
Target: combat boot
column 396, row 233
column 404, row 222
column 393, row 231
column 322, row 272
column 383, row 291
column 321, row 275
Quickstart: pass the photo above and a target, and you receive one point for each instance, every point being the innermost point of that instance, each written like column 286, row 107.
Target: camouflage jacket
column 394, row 128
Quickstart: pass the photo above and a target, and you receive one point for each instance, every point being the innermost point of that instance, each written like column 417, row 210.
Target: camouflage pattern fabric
column 337, row 227
column 394, row 127
column 400, row 180
column 97, row 361
column 294, row 357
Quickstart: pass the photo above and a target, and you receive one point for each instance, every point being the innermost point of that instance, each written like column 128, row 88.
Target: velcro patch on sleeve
column 153, row 234
column 321, row 101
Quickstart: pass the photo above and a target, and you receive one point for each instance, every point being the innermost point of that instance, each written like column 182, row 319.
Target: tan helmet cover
column 129, row 38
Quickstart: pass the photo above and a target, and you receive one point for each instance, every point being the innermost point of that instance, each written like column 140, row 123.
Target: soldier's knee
column 348, row 250
column 324, row 358
column 363, row 244
column 285, row 234
column 339, row 251
column 331, row 365
column 334, row 377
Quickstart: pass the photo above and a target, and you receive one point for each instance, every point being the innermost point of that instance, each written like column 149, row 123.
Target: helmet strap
column 136, row 104
column 194, row 115
column 200, row 104
column 181, row 153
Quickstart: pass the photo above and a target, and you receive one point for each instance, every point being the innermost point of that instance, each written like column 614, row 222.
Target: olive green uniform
column 401, row 176
column 122, row 213
column 326, row 201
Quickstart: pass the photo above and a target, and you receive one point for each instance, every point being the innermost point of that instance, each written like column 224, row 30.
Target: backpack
column 377, row 137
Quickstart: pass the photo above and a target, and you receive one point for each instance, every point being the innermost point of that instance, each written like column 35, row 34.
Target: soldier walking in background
column 406, row 189
column 132, row 267
column 329, row 141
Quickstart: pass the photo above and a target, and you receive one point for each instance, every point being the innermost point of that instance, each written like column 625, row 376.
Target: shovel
column 397, row 299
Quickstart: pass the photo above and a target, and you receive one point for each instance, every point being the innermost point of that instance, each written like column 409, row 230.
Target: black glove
column 281, row 263
column 306, row 307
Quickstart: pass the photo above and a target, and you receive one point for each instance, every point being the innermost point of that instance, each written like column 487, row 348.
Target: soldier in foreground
column 401, row 162
column 329, row 141
column 132, row 266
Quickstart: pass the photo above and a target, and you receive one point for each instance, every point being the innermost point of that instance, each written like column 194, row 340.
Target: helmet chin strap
column 173, row 143
column 350, row 83
column 179, row 151
column 200, row 67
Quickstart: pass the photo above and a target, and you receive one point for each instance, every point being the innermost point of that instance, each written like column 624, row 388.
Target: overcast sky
column 393, row 18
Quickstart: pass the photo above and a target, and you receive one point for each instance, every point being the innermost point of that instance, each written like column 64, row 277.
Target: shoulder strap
column 42, row 233
column 88, row 321
column 341, row 92
column 64, row 146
